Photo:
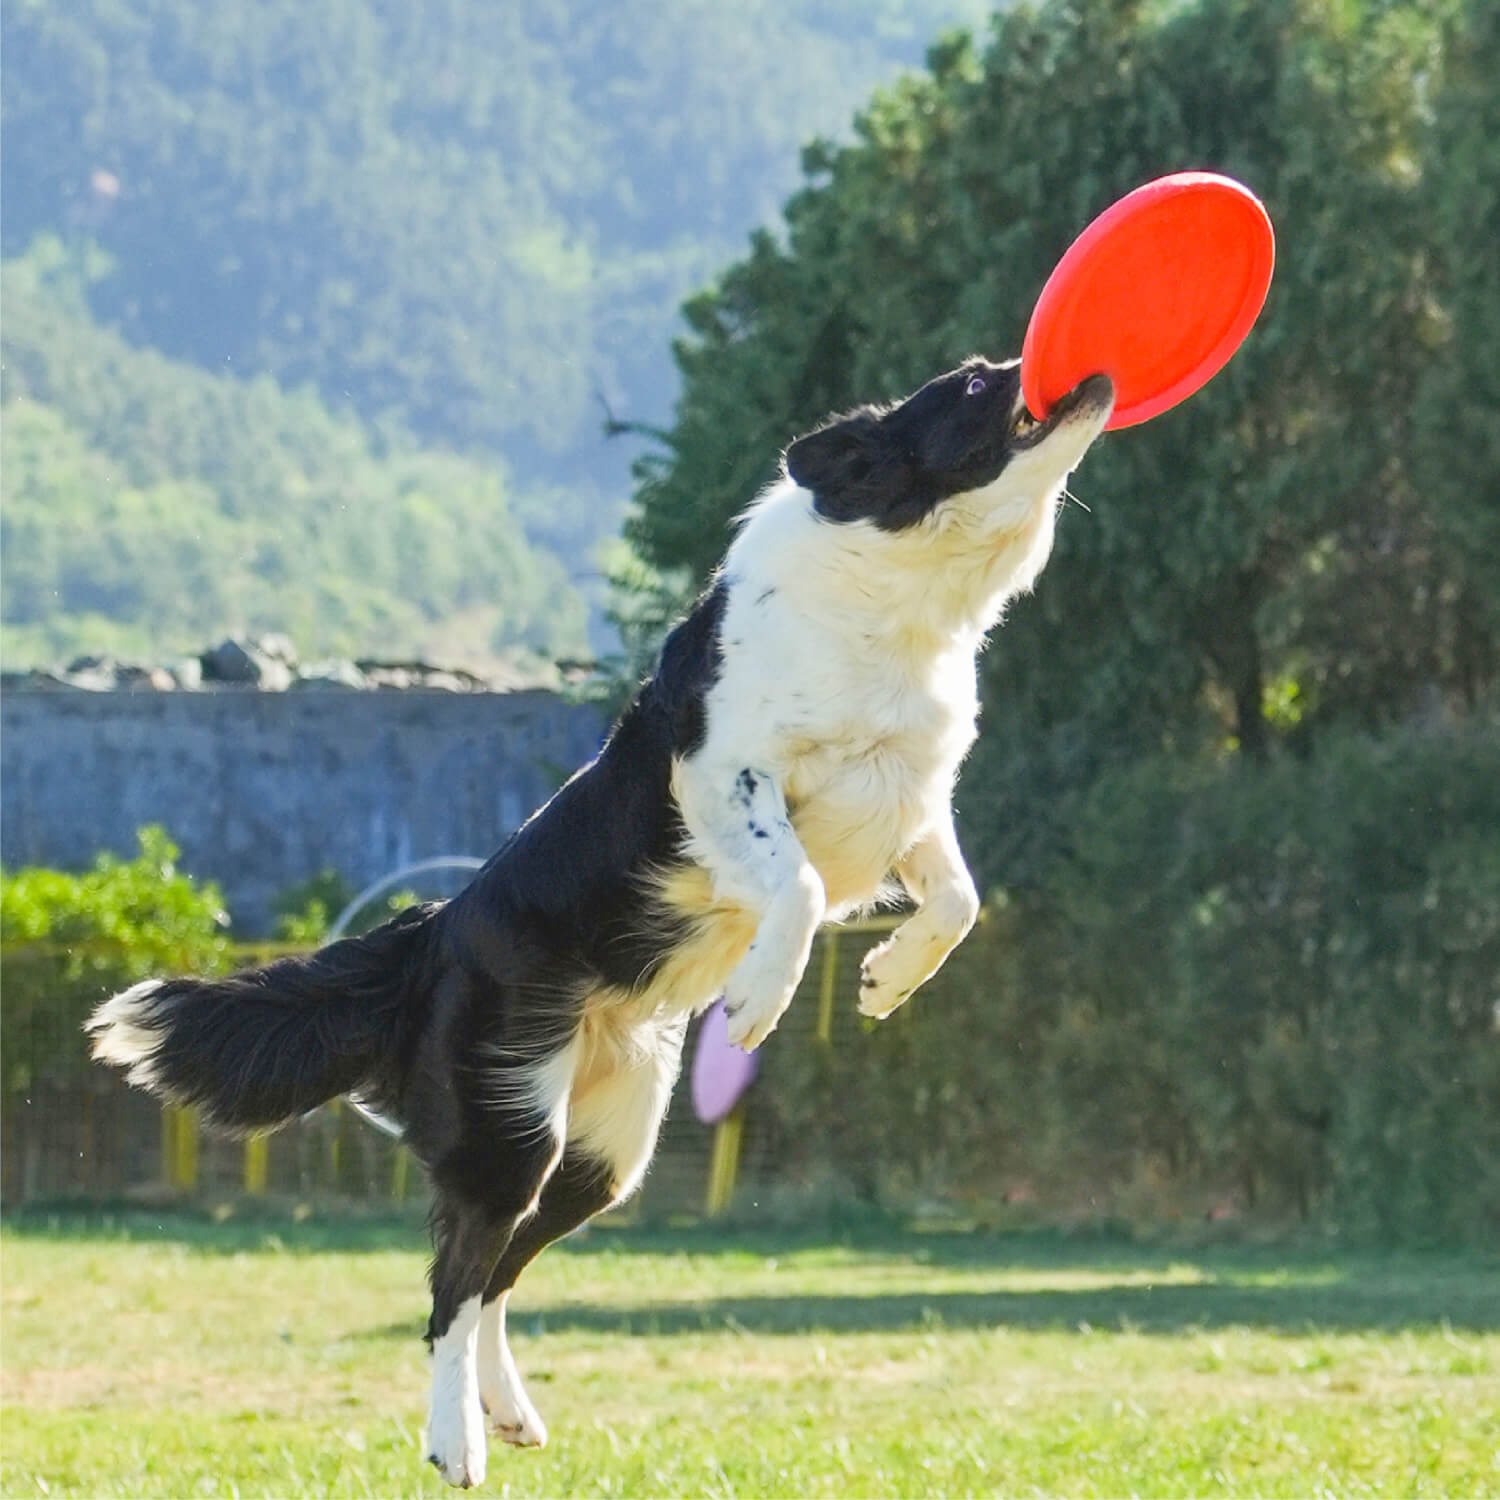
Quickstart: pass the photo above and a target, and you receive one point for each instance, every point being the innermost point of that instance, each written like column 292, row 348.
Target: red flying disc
column 1156, row 293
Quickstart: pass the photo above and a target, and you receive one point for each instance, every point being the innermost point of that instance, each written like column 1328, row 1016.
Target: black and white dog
column 796, row 747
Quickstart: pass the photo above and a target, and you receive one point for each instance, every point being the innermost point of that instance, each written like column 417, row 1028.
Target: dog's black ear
column 831, row 458
column 852, row 468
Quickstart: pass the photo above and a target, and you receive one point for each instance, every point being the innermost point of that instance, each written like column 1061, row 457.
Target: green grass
column 147, row 1357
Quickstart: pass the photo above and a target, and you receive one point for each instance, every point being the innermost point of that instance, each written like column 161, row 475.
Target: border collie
column 795, row 748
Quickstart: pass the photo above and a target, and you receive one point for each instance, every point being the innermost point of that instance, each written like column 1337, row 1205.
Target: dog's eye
column 975, row 385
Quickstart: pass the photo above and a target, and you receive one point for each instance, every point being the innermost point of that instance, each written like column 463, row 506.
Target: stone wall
column 260, row 790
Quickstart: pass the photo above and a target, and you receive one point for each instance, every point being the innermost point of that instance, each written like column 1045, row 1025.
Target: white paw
column 503, row 1396
column 501, row 1390
column 455, row 1440
column 513, row 1418
column 754, row 998
column 751, row 1024
column 884, row 980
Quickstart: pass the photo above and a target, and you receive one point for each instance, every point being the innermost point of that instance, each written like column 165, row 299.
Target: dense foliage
column 1457, row 428
column 1267, row 987
column 470, row 223
column 1234, row 803
column 151, row 506
column 1261, row 560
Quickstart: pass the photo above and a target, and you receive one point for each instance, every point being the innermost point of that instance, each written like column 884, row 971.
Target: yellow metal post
column 184, row 1171
column 336, row 1115
column 399, row 1172
column 257, row 1164
column 724, row 1164
column 826, row 986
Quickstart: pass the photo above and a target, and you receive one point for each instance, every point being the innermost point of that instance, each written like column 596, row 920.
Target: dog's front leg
column 933, row 871
column 742, row 834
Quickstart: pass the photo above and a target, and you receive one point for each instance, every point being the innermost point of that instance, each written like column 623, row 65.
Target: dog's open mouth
column 1093, row 394
column 1025, row 424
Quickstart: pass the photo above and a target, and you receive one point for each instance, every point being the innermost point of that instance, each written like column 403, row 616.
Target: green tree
column 1457, row 430
column 1236, row 773
column 1206, row 599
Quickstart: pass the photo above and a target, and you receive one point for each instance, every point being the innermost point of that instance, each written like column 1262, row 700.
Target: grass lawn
column 149, row 1356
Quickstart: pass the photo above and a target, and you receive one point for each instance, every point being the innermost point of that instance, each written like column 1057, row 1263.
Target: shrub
column 68, row 941
column 1277, row 984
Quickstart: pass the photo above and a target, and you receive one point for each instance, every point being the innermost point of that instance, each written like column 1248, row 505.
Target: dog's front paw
column 750, row 1022
column 754, row 999
column 884, row 983
column 455, row 1442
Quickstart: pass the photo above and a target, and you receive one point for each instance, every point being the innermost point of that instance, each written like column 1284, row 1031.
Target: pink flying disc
column 721, row 1071
column 1156, row 293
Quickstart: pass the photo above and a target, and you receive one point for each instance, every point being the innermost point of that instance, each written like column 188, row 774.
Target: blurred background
column 379, row 380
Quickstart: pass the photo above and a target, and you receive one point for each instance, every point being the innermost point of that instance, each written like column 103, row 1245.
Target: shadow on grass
column 251, row 1225
column 1286, row 1289
column 1464, row 1304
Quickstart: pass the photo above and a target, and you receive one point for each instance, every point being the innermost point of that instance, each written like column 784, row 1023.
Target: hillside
column 471, row 215
column 469, row 225
column 150, row 505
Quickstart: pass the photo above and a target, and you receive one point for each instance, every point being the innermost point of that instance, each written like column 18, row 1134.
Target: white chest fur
column 866, row 747
column 847, row 674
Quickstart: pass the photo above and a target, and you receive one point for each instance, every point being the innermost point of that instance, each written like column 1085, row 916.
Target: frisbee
column 1157, row 293
column 721, row 1071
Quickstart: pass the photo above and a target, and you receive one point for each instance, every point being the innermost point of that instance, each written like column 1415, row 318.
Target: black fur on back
column 568, row 904
column 566, row 891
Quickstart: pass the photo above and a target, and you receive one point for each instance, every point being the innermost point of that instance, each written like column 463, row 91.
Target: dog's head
column 965, row 437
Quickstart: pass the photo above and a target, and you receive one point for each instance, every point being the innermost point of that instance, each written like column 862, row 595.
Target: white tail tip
column 122, row 1035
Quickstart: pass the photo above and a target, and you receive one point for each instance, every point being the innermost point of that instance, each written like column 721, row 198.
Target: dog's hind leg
column 579, row 1189
column 933, row 870
column 612, row 1129
column 469, row 1240
column 485, row 1188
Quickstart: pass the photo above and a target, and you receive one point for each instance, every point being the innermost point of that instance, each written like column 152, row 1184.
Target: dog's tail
column 256, row 1049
